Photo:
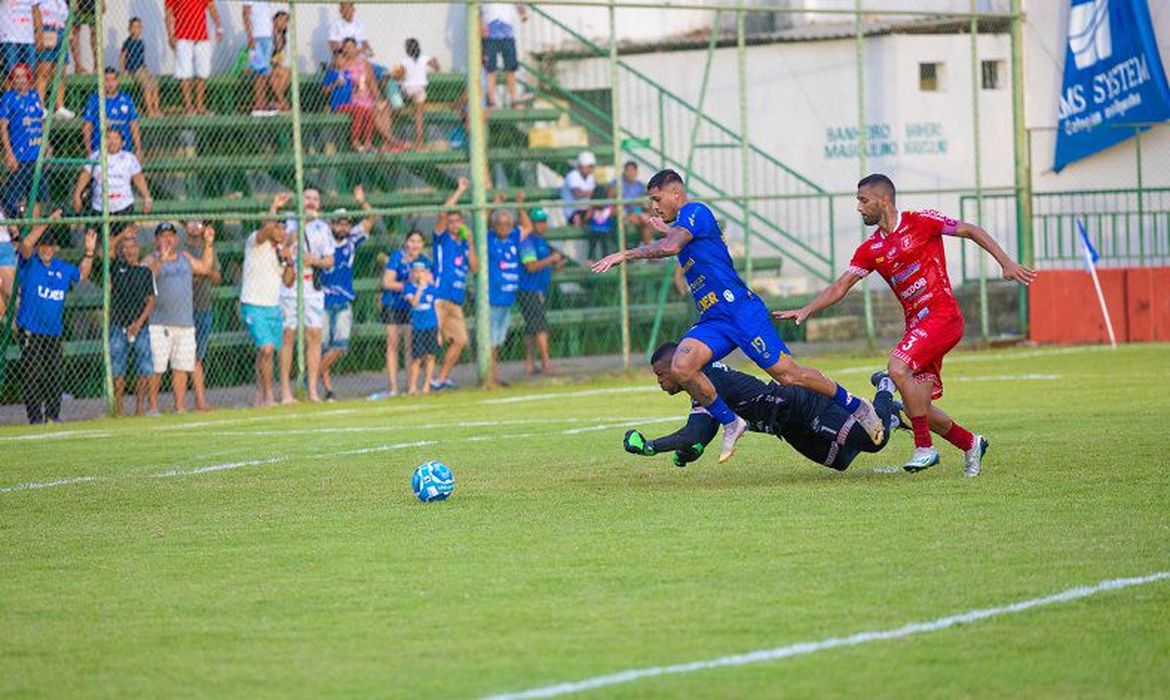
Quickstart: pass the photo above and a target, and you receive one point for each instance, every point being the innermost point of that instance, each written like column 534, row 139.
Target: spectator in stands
column 267, row 270
column 187, row 34
column 499, row 43
column 503, row 281
column 22, row 117
column 17, row 37
column 395, row 307
column 120, row 115
column 601, row 231
column 7, row 268
column 454, row 251
column 339, row 291
column 132, row 62
column 578, row 189
column 49, row 17
column 131, row 303
column 85, row 15
column 413, row 74
column 366, row 107
column 634, row 194
column 44, row 282
column 258, row 27
column 172, row 321
column 336, row 83
column 539, row 260
column 426, row 319
column 202, row 306
column 281, row 74
column 317, row 246
column 347, row 26
column 125, row 170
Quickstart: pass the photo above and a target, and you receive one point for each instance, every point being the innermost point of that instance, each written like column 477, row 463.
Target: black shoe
column 877, row 377
column 903, row 420
column 329, row 395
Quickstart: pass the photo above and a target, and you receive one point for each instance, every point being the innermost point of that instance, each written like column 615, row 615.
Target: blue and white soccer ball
column 432, row 481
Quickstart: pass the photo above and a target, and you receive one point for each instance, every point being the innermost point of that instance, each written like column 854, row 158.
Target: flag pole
column 1087, row 249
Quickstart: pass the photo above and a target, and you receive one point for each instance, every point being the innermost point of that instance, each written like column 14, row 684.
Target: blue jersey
column 535, row 248
column 120, row 112
column 42, row 294
column 503, row 268
column 340, row 93
column 338, row 280
column 423, row 314
column 451, row 261
column 707, row 265
column 26, row 118
column 401, row 267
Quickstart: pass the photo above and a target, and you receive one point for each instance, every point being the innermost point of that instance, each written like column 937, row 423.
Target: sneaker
column 264, row 113
column 900, row 421
column 870, row 421
column 923, row 458
column 732, row 432
column 381, row 395
column 65, row 113
column 330, row 396
column 973, row 458
column 879, row 380
column 448, row 384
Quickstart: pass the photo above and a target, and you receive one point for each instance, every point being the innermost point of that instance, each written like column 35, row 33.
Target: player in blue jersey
column 730, row 314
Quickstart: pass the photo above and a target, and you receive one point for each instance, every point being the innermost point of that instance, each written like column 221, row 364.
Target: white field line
column 853, row 640
column 47, row 484
column 54, row 436
column 570, row 394
column 427, row 426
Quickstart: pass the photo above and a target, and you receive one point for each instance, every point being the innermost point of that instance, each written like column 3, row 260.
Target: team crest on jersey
column 761, row 347
column 728, row 296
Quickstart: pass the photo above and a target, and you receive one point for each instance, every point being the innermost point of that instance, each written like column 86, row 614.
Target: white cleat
column 870, row 421
column 732, row 432
column 973, row 458
column 923, row 458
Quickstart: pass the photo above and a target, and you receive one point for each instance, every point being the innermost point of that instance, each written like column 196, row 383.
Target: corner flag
column 1091, row 258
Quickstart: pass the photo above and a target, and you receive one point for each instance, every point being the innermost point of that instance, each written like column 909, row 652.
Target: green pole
column 984, row 317
column 107, row 367
column 744, row 152
column 615, row 139
column 702, row 96
column 299, row 175
column 58, row 86
column 477, row 144
column 1023, row 159
column 1141, row 205
column 862, row 155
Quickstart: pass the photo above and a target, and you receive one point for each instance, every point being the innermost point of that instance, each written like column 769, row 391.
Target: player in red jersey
column 907, row 251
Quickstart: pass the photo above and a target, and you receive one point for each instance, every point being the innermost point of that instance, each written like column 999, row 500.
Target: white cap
column 586, row 158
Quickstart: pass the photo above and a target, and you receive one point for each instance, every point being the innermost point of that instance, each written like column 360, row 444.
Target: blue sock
column 845, row 401
column 721, row 411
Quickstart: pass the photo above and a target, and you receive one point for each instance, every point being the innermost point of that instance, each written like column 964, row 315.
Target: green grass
column 561, row 558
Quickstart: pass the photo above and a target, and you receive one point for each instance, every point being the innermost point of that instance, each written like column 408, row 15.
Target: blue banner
column 1113, row 77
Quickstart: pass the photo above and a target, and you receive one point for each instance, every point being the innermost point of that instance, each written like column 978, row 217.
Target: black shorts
column 532, row 307
column 394, row 316
column 424, row 342
column 495, row 49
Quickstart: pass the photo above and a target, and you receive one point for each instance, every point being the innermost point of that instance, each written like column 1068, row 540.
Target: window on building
column 993, row 75
column 930, row 77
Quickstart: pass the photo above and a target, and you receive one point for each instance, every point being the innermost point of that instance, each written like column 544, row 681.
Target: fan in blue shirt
column 120, row 115
column 730, row 314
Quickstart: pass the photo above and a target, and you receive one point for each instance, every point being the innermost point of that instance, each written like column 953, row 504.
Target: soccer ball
column 432, row 481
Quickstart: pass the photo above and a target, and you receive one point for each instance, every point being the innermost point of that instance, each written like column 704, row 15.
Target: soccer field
column 281, row 553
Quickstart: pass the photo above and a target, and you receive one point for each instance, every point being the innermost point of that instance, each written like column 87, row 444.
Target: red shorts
column 924, row 346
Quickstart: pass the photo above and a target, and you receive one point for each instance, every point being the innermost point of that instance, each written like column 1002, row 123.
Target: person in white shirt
column 258, row 27
column 49, row 17
column 578, row 188
column 412, row 72
column 267, row 270
column 125, row 176
column 17, row 37
column 499, row 21
column 348, row 27
column 317, row 246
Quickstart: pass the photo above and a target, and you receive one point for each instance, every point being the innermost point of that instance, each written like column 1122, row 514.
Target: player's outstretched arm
column 688, row 442
column 670, row 244
column 1012, row 270
column 830, row 295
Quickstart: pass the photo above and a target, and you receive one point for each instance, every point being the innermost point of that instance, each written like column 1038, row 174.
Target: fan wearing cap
column 45, row 280
column 538, row 260
column 578, row 189
column 338, row 284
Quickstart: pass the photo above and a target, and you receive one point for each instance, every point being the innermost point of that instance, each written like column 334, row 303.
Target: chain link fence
column 264, row 180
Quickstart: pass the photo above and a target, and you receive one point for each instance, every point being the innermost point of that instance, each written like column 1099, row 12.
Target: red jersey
column 190, row 19
column 911, row 259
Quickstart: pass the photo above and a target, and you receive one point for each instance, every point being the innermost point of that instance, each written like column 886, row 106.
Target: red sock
column 921, row 431
column 960, row 437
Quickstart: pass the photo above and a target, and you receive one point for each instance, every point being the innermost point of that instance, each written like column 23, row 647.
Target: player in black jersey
column 815, row 426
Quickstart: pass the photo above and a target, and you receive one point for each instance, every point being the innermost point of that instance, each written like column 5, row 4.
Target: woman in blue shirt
column 395, row 307
column 22, row 118
column 44, row 281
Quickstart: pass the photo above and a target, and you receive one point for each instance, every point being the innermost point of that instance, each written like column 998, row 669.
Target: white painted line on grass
column 57, row 435
column 1006, row 378
column 570, row 394
column 47, row 484
column 429, row 426
column 913, row 628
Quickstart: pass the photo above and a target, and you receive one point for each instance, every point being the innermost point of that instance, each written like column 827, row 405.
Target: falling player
column 907, row 251
column 730, row 314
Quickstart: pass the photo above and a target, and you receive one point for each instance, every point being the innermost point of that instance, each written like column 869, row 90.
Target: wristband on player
column 636, row 444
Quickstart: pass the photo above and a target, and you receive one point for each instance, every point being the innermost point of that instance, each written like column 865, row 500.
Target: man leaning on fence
column 539, row 260
column 267, row 269
column 131, row 303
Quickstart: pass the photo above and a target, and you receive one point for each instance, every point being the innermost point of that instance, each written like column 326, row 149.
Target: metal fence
column 770, row 112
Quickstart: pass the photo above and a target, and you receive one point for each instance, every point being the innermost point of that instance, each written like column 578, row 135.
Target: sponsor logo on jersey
column 707, row 301
column 688, row 264
column 698, row 283
column 761, row 347
column 905, row 274
column 50, row 294
column 915, row 288
column 728, row 296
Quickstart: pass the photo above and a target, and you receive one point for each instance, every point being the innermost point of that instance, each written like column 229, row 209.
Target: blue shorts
column 202, row 333
column 50, row 55
column 264, row 324
column 13, row 54
column 495, row 50
column 337, row 327
column 120, row 347
column 501, row 316
column 7, row 254
column 260, row 58
column 749, row 328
